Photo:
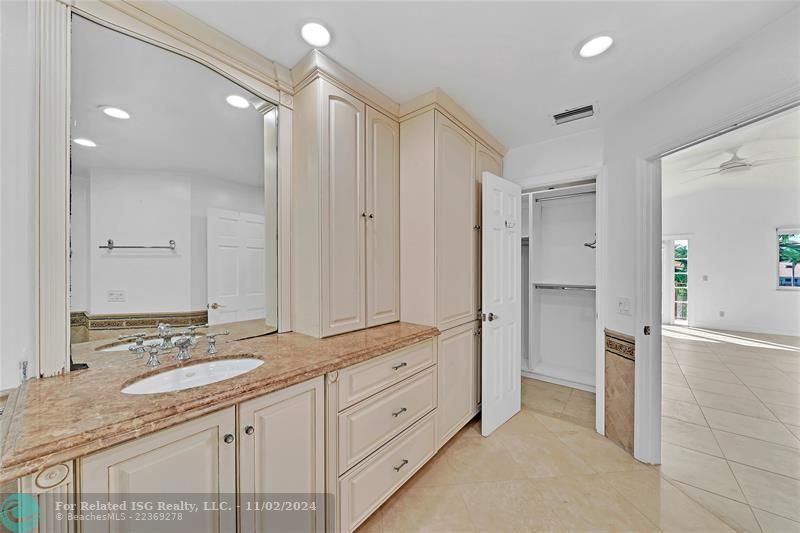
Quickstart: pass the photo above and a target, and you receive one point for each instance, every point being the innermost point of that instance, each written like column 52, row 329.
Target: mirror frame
column 167, row 27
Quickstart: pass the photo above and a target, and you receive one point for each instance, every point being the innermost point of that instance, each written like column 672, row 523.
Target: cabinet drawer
column 368, row 425
column 361, row 381
column 365, row 488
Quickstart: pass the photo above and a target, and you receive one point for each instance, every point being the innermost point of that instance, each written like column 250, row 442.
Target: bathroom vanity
column 352, row 416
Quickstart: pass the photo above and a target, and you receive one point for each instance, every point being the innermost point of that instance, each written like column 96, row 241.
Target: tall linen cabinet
column 440, row 166
column 345, row 213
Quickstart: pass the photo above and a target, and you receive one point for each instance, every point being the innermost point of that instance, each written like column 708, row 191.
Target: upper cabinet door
column 455, row 240
column 383, row 219
column 343, row 212
column 486, row 160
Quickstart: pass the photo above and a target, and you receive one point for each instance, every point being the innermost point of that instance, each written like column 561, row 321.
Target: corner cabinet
column 275, row 452
column 345, row 213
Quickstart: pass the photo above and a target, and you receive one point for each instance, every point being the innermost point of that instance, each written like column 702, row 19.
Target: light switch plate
column 116, row 296
column 623, row 306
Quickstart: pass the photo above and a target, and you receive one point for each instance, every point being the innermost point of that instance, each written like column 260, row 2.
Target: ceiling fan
column 737, row 164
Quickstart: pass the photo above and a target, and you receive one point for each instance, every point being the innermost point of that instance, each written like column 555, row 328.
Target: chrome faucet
column 138, row 347
column 184, row 344
column 165, row 333
column 212, row 341
column 153, row 361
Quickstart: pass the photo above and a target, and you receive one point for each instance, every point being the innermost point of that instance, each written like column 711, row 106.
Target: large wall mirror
column 173, row 197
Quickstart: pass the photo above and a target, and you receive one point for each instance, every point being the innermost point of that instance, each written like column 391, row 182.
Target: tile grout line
column 725, row 458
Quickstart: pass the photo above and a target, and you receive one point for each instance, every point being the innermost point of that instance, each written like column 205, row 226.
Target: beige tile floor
column 544, row 470
column 731, row 413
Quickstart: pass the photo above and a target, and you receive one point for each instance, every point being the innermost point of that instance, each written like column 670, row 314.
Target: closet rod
column 564, row 196
column 565, row 287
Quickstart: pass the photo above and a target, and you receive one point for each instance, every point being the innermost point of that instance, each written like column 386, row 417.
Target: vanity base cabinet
column 282, row 458
column 195, row 457
column 459, row 380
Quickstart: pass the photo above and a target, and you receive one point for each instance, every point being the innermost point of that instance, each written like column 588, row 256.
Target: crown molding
column 441, row 101
column 161, row 23
column 315, row 65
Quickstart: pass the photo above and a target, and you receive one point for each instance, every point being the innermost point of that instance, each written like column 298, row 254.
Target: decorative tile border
column 137, row 320
column 620, row 344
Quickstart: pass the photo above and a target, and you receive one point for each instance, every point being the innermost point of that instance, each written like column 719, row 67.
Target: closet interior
column 558, row 288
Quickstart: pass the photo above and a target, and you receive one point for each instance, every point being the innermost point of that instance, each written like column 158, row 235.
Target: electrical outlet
column 116, row 296
column 623, row 306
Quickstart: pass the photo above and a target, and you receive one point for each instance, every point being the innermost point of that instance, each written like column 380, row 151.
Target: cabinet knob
column 476, row 227
column 228, row 438
column 371, row 215
column 249, row 430
column 363, row 215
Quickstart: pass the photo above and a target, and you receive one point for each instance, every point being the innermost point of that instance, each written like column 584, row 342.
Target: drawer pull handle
column 401, row 465
column 400, row 412
column 398, row 366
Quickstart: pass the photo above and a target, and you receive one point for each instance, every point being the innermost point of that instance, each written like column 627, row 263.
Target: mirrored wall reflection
column 173, row 200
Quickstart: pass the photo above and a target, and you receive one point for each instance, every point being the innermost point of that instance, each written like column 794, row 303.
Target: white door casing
column 236, row 262
column 501, row 302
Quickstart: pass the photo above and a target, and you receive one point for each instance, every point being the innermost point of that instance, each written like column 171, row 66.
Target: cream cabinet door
column 455, row 240
column 282, row 459
column 383, row 219
column 486, row 160
column 343, row 212
column 456, row 380
column 194, row 461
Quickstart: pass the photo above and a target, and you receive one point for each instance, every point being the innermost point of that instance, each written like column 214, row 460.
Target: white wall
column 146, row 208
column 17, row 114
column 762, row 68
column 732, row 241
column 536, row 164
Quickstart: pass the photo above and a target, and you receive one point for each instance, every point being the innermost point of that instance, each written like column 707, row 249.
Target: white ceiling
column 179, row 121
column 777, row 137
column 511, row 64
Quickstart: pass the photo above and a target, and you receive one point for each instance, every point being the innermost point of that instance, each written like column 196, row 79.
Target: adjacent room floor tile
column 770, row 492
column 699, row 470
column 737, row 515
column 772, row 523
column 749, row 426
column 692, row 436
column 688, row 412
column 760, row 454
column 743, row 405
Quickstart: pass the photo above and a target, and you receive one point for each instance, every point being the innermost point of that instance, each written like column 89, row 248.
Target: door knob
column 215, row 306
column 493, row 316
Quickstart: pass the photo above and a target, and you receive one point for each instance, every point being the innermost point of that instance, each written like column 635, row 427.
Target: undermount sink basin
column 195, row 375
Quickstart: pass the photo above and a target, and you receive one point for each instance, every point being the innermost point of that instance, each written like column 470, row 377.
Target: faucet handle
column 153, row 361
column 195, row 327
column 212, row 340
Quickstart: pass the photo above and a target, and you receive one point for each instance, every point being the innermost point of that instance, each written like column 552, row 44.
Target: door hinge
column 483, row 317
column 647, row 330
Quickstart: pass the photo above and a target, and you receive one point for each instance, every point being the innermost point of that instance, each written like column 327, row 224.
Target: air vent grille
column 576, row 113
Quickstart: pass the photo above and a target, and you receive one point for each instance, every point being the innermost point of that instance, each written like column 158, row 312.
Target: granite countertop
column 61, row 418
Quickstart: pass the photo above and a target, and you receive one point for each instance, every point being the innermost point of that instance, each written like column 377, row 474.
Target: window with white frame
column 788, row 258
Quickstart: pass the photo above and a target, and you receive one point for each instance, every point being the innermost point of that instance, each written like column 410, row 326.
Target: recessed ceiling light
column 596, row 46
column 315, row 34
column 84, row 142
column 116, row 112
column 238, row 101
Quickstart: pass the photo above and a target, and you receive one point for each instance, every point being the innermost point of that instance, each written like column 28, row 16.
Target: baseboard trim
column 559, row 381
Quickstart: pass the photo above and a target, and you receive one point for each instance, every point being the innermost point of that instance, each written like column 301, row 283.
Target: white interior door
column 236, row 266
column 501, row 302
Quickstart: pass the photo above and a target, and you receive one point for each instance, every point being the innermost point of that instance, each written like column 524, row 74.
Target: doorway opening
column 730, row 333
column 559, row 300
